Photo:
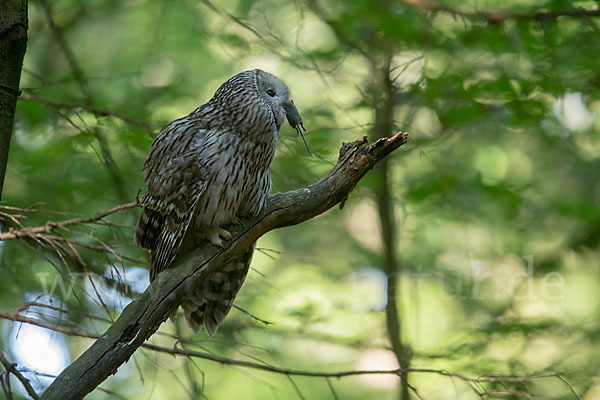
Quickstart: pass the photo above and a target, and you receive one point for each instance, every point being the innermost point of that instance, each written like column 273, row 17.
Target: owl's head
column 277, row 96
column 274, row 94
column 253, row 104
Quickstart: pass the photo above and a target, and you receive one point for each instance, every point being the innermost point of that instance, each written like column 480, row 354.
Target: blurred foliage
column 497, row 194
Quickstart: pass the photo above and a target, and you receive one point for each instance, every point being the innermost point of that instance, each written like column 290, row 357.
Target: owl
column 204, row 171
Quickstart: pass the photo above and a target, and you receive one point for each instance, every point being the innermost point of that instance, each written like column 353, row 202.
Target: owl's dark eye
column 271, row 93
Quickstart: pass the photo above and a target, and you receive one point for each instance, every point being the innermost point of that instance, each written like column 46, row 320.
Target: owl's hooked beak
column 295, row 120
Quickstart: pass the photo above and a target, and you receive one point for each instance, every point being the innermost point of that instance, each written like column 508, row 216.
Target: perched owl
column 205, row 170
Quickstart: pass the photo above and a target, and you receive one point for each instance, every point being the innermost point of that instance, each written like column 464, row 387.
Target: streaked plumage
column 205, row 170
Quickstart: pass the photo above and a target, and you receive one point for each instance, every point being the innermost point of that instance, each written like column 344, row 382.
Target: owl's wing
column 176, row 179
column 163, row 224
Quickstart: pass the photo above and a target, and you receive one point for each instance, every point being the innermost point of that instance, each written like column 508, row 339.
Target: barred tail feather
column 210, row 301
column 148, row 228
column 152, row 233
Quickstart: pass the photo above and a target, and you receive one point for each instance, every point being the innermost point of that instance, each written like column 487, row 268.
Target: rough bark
column 140, row 319
column 13, row 42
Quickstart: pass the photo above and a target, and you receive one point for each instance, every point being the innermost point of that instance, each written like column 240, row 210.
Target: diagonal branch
column 140, row 319
column 72, row 61
column 107, row 158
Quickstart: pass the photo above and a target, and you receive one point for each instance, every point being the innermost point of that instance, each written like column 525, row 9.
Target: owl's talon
column 224, row 234
column 217, row 235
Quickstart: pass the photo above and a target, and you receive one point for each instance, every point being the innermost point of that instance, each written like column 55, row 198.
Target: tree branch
column 489, row 379
column 140, row 319
column 13, row 370
column 71, row 60
column 64, row 244
column 107, row 158
column 499, row 16
column 50, row 226
column 15, row 316
column 94, row 110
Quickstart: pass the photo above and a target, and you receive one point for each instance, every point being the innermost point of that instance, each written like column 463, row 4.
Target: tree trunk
column 13, row 42
column 382, row 91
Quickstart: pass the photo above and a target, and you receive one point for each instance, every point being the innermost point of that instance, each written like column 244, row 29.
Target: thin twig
column 57, row 328
column 295, row 372
column 94, row 110
column 106, row 157
column 53, row 225
column 11, row 368
column 26, row 306
column 72, row 61
column 566, row 382
column 252, row 315
column 63, row 246
column 112, row 393
column 5, row 382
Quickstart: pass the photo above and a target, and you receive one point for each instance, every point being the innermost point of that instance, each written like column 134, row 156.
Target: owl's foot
column 216, row 236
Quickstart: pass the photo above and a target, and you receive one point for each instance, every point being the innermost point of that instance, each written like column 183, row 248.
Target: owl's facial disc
column 274, row 93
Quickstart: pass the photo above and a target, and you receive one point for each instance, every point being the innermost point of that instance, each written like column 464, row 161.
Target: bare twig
column 89, row 108
column 315, row 374
column 13, row 316
column 26, row 306
column 72, row 61
column 62, row 245
column 335, row 26
column 13, row 370
column 248, row 313
column 571, row 389
column 106, row 156
column 53, row 225
column 112, row 393
column 64, row 241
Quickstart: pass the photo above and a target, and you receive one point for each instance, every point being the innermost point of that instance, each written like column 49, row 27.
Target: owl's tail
column 211, row 299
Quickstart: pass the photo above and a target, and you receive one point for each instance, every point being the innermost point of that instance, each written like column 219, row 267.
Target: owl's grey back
column 203, row 171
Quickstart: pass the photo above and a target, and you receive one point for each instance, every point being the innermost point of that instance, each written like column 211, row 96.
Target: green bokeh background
column 496, row 195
